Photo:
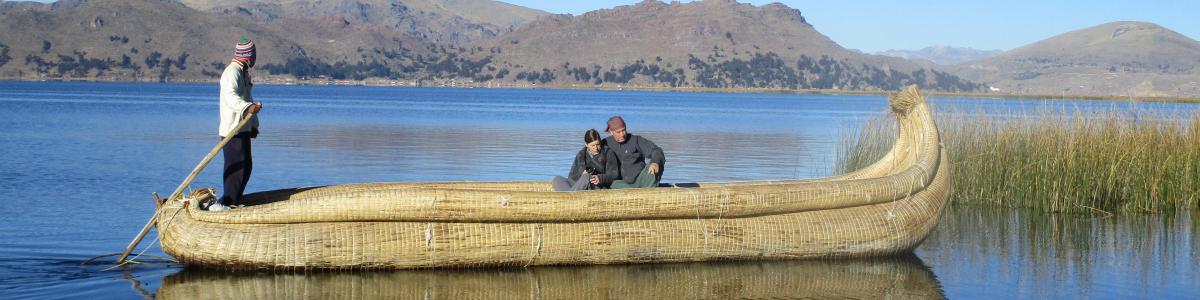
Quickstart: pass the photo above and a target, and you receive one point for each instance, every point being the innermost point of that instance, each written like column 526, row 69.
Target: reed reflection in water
column 1011, row 253
column 893, row 278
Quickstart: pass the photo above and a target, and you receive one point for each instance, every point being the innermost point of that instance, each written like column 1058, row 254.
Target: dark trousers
column 238, row 164
column 644, row 180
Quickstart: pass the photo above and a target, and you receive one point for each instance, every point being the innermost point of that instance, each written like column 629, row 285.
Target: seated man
column 632, row 153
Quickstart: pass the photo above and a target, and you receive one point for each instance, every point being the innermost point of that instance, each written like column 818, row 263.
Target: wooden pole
column 179, row 190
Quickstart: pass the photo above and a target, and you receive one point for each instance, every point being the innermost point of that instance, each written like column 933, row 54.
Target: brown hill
column 147, row 40
column 712, row 43
column 439, row 21
column 121, row 40
column 1116, row 59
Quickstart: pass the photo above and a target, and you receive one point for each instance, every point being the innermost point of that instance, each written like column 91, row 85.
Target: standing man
column 632, row 153
column 236, row 102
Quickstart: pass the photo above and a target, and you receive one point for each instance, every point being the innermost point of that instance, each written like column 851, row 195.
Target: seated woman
column 588, row 171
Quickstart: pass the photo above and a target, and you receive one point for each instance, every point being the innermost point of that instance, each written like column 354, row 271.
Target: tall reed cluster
column 1060, row 161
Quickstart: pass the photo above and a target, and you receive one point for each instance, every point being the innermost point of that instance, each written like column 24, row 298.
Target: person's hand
column 254, row 108
column 595, row 179
column 653, row 169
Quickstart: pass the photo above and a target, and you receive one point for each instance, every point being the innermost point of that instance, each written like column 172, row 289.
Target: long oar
column 179, row 190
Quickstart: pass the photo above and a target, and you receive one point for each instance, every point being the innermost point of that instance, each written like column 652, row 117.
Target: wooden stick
column 179, row 191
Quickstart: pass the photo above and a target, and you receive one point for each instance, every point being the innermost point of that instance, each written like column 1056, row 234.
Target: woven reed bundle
column 883, row 209
column 854, row 279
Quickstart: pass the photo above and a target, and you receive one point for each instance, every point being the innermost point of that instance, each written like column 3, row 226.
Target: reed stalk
column 1067, row 160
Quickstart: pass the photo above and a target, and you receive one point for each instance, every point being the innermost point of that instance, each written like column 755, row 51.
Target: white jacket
column 235, row 97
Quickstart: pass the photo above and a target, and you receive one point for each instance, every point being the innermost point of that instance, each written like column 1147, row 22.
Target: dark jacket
column 598, row 164
column 632, row 155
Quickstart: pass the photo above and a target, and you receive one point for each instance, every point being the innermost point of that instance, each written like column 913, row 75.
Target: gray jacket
column 632, row 156
column 598, row 165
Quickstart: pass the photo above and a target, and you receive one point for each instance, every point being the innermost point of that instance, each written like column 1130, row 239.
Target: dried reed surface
column 885, row 208
column 904, row 278
column 1067, row 160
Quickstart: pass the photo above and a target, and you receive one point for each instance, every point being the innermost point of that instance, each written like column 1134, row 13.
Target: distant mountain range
column 942, row 55
column 712, row 43
column 1114, row 59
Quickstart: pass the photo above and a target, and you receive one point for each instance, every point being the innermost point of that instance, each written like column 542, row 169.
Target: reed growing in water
column 1059, row 161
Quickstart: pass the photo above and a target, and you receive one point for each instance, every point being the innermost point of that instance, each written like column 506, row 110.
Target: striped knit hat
column 244, row 50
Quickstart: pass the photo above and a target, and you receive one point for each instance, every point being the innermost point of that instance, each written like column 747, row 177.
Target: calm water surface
column 80, row 161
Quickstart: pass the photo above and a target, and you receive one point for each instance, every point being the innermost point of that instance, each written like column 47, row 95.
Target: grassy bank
column 1077, row 161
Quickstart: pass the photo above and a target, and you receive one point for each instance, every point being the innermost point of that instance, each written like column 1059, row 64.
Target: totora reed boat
column 886, row 208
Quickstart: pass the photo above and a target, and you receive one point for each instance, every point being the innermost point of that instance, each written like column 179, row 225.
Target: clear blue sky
column 877, row 25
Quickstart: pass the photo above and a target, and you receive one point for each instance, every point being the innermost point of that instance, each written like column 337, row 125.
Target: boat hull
column 888, row 208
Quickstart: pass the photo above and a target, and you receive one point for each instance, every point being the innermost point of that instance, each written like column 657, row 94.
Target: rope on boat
column 156, row 241
column 93, row 259
column 917, row 181
column 167, row 222
column 536, row 237
column 724, row 197
column 428, row 234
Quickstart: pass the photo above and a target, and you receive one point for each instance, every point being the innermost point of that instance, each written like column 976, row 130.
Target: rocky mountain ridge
column 701, row 44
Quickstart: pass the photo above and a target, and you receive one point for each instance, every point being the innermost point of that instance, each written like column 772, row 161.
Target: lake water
column 80, row 161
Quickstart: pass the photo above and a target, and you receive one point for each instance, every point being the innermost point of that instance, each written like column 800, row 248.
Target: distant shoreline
column 885, row 93
column 410, row 83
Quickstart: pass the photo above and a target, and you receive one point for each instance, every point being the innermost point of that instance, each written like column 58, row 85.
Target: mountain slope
column 712, row 43
column 438, row 21
column 148, row 40
column 121, row 39
column 1113, row 59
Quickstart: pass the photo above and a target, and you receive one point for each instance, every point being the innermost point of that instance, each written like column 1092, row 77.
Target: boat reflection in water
column 892, row 278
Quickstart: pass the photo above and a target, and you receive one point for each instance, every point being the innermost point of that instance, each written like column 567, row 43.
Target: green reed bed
column 1060, row 161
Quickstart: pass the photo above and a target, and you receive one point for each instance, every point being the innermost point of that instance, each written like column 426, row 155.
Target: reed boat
column 886, row 208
